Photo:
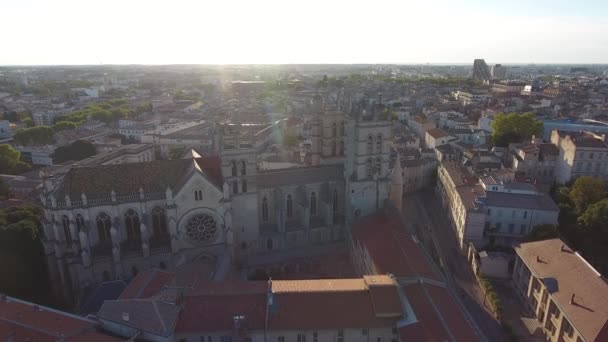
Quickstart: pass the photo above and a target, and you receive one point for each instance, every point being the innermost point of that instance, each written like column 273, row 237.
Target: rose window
column 201, row 228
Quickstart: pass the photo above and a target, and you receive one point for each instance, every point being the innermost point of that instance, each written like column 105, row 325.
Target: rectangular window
column 526, row 214
column 513, row 213
column 498, row 224
column 364, row 332
column 582, row 155
column 379, row 339
column 511, row 227
column 591, row 155
column 226, row 339
column 522, row 229
column 589, row 167
column 489, row 212
column 340, row 336
column 499, row 212
column 301, row 337
column 281, row 339
column 315, row 337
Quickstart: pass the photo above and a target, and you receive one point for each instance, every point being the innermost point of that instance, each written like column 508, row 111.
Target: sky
column 50, row 32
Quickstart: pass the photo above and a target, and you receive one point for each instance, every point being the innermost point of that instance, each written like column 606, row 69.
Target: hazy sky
column 302, row 31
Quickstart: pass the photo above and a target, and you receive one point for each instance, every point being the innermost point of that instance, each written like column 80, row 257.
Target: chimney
column 125, row 316
column 572, row 299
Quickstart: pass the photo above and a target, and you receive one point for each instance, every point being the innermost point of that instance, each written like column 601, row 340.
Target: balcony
column 160, row 244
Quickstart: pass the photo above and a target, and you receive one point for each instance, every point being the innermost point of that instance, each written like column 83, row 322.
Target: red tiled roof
column 309, row 304
column 216, row 312
column 146, row 284
column 211, row 167
column 391, row 247
column 437, row 133
column 24, row 321
column 438, row 315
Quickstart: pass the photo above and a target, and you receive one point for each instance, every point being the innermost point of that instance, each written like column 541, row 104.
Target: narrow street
column 430, row 221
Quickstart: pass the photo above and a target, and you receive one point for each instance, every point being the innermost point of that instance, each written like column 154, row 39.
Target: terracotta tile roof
column 147, row 283
column 207, row 313
column 392, row 248
column 439, row 316
column 99, row 181
column 437, row 133
column 301, row 304
column 589, row 312
column 326, row 310
column 23, row 321
column 211, row 165
column 151, row 316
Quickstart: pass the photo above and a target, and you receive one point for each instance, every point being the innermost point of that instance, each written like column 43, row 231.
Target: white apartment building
column 580, row 154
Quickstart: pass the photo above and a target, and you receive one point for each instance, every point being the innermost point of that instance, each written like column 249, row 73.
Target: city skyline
column 390, row 32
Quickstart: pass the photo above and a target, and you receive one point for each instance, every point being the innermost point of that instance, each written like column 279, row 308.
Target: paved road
column 424, row 211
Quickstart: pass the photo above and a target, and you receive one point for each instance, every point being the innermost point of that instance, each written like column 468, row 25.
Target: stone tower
column 366, row 169
column 396, row 190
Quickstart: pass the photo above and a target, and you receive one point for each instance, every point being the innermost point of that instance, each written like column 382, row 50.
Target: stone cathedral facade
column 204, row 212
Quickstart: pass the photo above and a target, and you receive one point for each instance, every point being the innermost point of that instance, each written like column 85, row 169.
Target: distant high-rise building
column 481, row 71
column 499, row 72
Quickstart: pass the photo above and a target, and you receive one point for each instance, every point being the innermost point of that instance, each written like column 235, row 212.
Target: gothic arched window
column 378, row 166
column 334, row 130
column 198, row 195
column 379, row 142
column 370, row 144
column 243, row 167
column 289, row 207
column 335, row 200
column 235, row 187
column 159, row 222
column 264, row 209
column 132, row 226
column 244, row 185
column 342, row 124
column 313, row 204
column 104, row 225
column 333, row 148
column 341, row 151
column 234, row 168
column 369, row 165
column 79, row 223
column 66, row 230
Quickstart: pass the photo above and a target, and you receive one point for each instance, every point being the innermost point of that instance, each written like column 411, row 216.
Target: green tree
column 9, row 157
column 595, row 217
column 22, row 263
column 586, row 191
column 514, row 128
column 28, row 122
column 4, row 189
column 39, row 135
column 64, row 125
column 542, row 232
column 78, row 150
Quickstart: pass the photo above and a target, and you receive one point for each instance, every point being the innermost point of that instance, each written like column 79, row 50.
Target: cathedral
column 204, row 212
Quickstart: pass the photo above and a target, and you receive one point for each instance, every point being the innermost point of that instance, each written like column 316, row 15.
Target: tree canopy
column 64, row 125
column 514, row 128
column 595, row 217
column 542, row 232
column 78, row 150
column 586, row 191
column 10, row 162
column 22, row 264
column 39, row 135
